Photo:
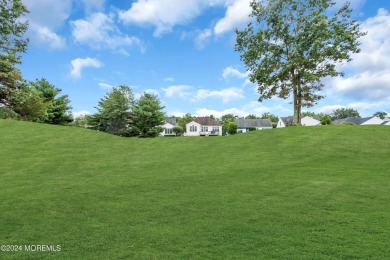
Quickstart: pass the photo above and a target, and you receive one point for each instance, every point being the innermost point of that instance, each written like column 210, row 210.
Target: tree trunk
column 297, row 105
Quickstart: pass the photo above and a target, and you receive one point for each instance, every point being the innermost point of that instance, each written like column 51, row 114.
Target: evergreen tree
column 148, row 115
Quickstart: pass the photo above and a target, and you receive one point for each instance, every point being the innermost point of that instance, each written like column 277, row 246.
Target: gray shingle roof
column 170, row 120
column 207, row 121
column 247, row 123
column 354, row 120
column 287, row 120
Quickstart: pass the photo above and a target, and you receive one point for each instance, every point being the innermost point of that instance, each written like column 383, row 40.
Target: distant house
column 310, row 121
column 359, row 121
column 170, row 123
column 285, row 121
column 203, row 126
column 244, row 125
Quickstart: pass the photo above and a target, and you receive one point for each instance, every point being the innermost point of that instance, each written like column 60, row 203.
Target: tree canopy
column 341, row 113
column 290, row 45
column 12, row 42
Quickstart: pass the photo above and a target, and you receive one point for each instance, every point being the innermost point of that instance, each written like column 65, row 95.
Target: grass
column 293, row 193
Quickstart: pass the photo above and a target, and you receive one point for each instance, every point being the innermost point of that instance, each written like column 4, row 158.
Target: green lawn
column 292, row 193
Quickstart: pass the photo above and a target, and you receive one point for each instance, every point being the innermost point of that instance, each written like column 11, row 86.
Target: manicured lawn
column 293, row 193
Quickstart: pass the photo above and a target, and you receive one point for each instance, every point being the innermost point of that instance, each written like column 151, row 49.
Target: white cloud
column 99, row 31
column 44, row 36
column 165, row 14
column 237, row 14
column 179, row 90
column 79, row 64
column 80, row 113
column 232, row 72
column 202, row 38
column 152, row 91
column 105, row 85
column 93, row 5
column 45, row 16
column 226, row 95
column 368, row 74
column 169, row 79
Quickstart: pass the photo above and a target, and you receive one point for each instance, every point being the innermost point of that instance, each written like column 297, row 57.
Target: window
column 168, row 131
column 204, row 129
column 193, row 128
column 215, row 129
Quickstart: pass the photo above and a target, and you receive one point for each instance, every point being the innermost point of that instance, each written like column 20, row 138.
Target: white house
column 244, row 125
column 360, row 121
column 203, row 126
column 386, row 123
column 170, row 123
column 310, row 121
column 285, row 121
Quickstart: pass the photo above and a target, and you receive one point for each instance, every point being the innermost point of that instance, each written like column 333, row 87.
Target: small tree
column 178, row 130
column 232, row 128
column 270, row 116
column 341, row 113
column 326, row 120
column 291, row 45
column 225, row 120
column 58, row 111
column 148, row 115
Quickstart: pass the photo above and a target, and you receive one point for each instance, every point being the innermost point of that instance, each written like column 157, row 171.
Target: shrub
column 232, row 128
column 8, row 113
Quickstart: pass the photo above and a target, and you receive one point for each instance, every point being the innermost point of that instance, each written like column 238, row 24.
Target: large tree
column 148, row 116
column 58, row 110
column 114, row 111
column 12, row 42
column 290, row 45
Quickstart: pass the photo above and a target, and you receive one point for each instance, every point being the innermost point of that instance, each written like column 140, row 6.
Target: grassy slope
column 314, row 193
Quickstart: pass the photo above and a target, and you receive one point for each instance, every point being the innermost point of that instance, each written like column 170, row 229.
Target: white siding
column 167, row 126
column 373, row 121
column 280, row 123
column 309, row 121
column 190, row 127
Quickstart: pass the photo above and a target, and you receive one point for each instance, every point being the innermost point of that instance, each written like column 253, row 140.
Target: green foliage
column 326, row 120
column 28, row 103
column 252, row 116
column 341, row 113
column 12, row 42
column 250, row 129
column 291, row 45
column 232, row 128
column 6, row 112
column 183, row 121
column 273, row 118
column 178, row 130
column 114, row 111
column 381, row 115
column 58, row 111
column 82, row 121
column 347, row 123
column 148, row 115
column 225, row 120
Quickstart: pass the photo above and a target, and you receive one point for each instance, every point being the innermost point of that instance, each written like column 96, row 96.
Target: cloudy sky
column 184, row 52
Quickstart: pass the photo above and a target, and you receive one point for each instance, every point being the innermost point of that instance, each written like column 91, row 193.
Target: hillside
column 297, row 193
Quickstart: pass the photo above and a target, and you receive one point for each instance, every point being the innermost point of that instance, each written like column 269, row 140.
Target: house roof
column 207, row 121
column 253, row 122
column 287, row 120
column 355, row 120
column 170, row 120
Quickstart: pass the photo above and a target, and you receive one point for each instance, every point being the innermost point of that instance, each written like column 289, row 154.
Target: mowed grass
column 293, row 193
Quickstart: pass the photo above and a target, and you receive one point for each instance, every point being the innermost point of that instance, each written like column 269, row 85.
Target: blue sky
column 184, row 52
